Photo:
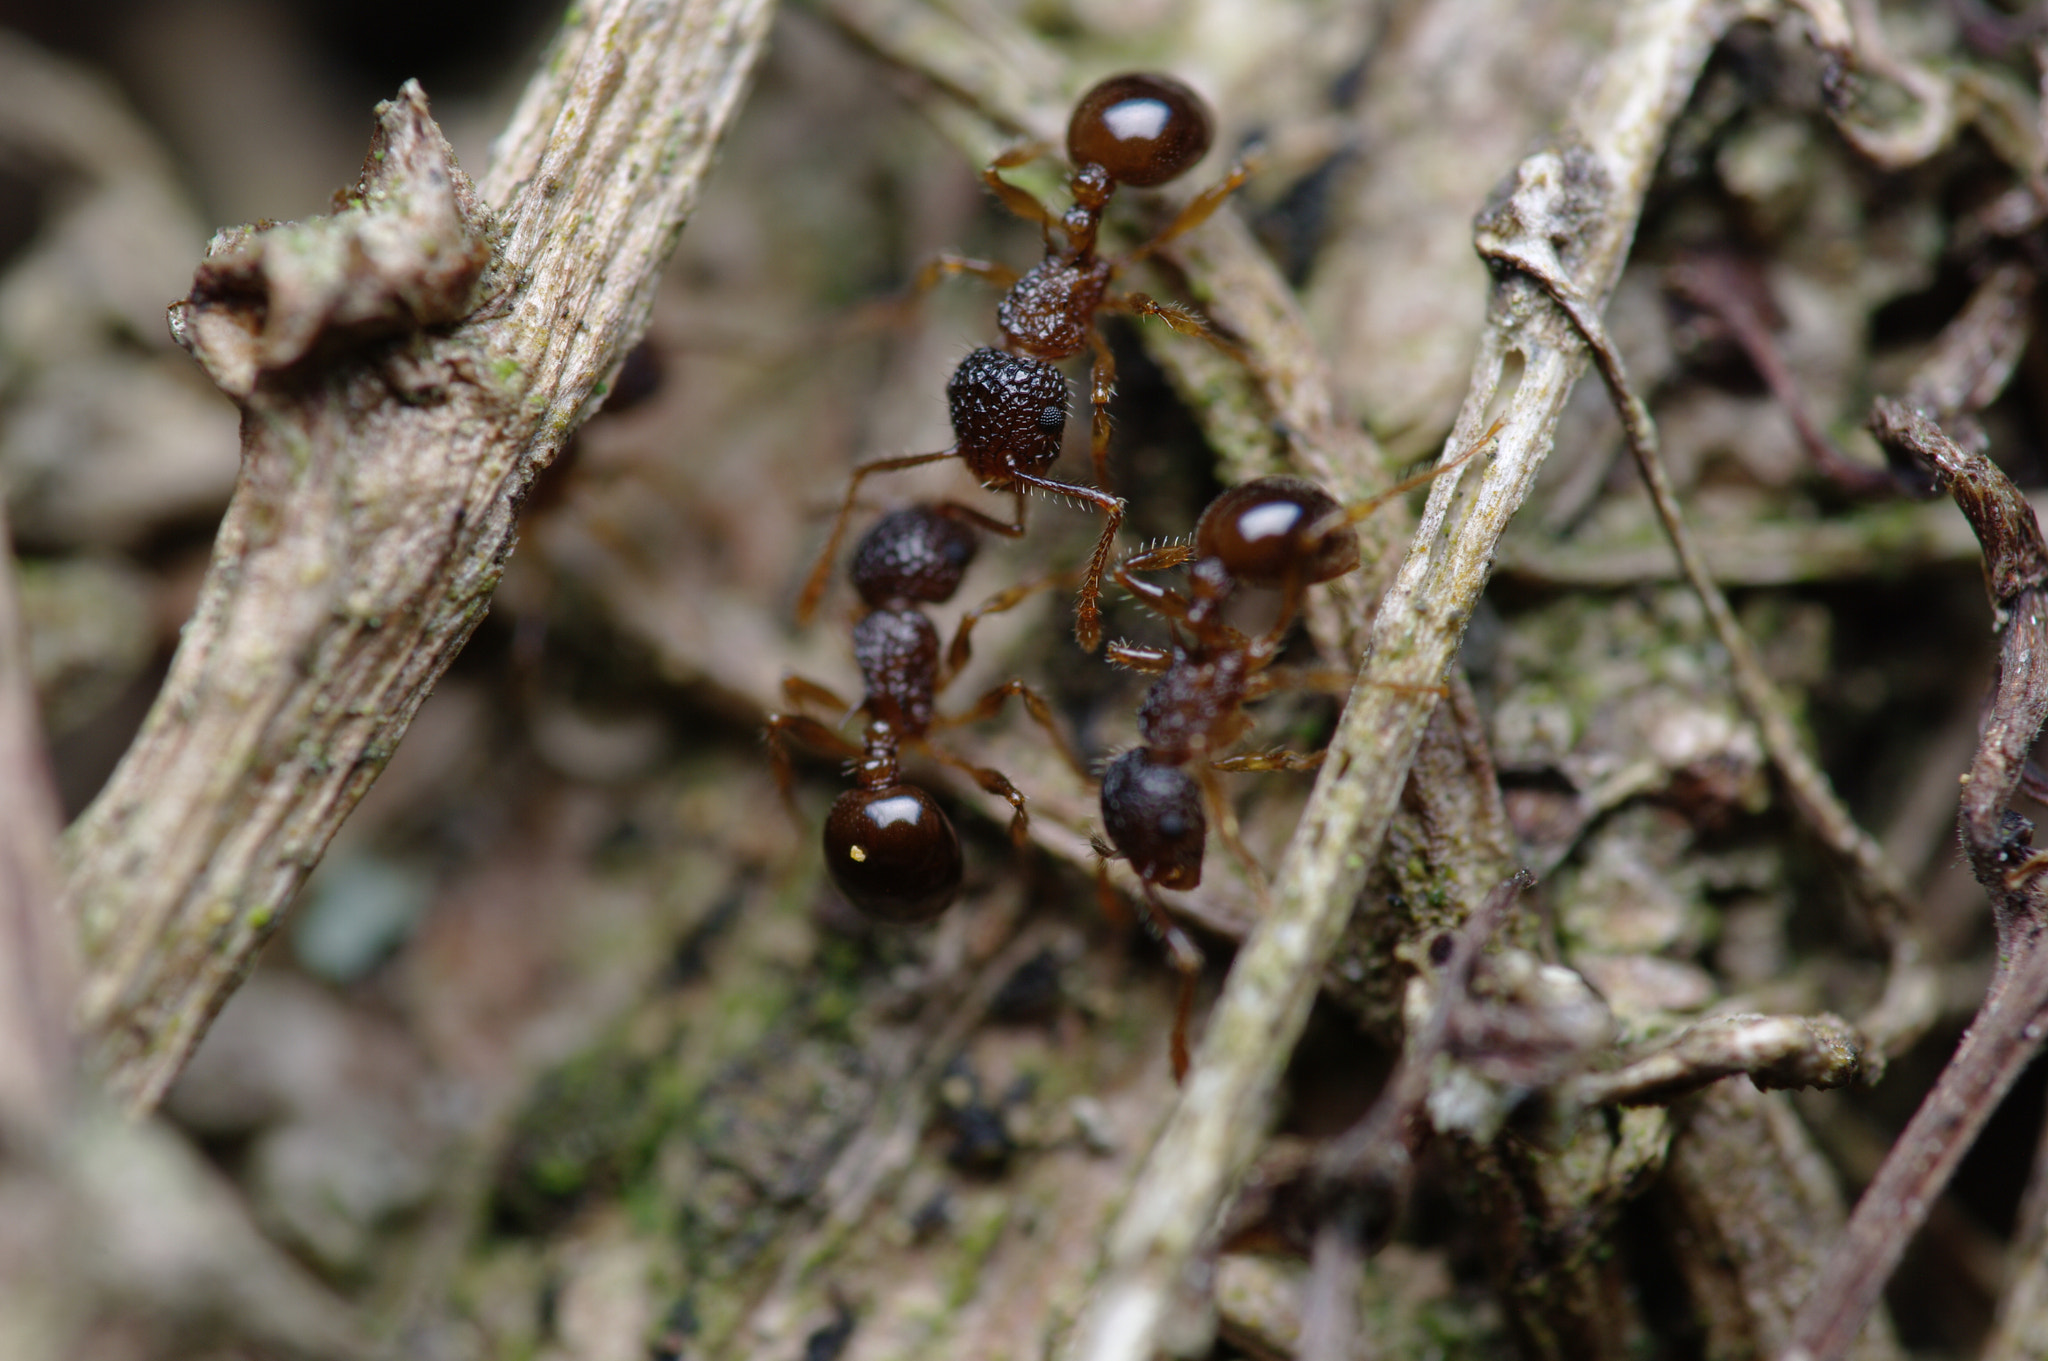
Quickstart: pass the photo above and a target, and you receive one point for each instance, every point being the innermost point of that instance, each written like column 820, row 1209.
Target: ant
column 1283, row 533
column 888, row 845
column 1009, row 405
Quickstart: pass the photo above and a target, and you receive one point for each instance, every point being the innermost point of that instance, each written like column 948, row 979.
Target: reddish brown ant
column 889, row 847
column 1009, row 406
column 1278, row 532
column 1139, row 129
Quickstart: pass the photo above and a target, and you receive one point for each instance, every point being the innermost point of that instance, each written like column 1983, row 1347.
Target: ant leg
column 780, row 729
column 968, row 515
column 1163, row 601
column 1358, row 510
column 961, row 649
column 1199, row 209
column 798, row 691
column 1106, row 897
column 1186, row 958
column 1153, row 661
column 1326, row 680
column 814, row 585
column 946, row 264
column 1101, row 387
column 1270, row 760
column 1019, row 201
column 1227, row 828
column 1087, row 613
column 991, row 782
column 1182, row 319
column 991, row 704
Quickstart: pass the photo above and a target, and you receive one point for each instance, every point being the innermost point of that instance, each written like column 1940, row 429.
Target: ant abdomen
column 1261, row 532
column 1153, row 815
column 917, row 553
column 1009, row 413
column 1144, row 129
column 893, row 853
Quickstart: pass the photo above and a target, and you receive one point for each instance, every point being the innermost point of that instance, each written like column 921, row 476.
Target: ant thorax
column 1196, row 707
column 1049, row 313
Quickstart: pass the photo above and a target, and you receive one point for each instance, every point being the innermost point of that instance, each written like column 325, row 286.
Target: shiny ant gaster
column 1277, row 532
column 888, row 845
column 1009, row 405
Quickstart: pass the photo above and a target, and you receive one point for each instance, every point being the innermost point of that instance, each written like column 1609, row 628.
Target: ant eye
column 1053, row 419
column 893, row 853
column 1143, row 129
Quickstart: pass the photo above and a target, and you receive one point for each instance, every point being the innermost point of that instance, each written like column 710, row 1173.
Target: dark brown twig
column 1999, row 844
column 1732, row 292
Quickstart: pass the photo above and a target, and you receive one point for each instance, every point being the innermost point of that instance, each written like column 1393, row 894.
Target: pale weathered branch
column 1584, row 193
column 1821, row 1052
column 36, row 965
column 405, row 368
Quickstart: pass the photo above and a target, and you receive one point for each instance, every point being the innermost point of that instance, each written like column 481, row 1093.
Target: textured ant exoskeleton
column 1009, row 405
column 1009, row 413
column 1278, row 532
column 889, row 847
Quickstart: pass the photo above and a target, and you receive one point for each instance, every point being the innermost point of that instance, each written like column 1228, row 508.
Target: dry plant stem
column 1905, row 1009
column 36, row 966
column 1730, row 291
column 405, row 368
column 1973, row 358
column 1775, row 1051
column 2007, row 1032
column 1852, row 40
column 1364, row 1174
column 1587, row 193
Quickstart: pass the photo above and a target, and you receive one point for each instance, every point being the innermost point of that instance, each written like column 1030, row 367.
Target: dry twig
column 1907, row 1005
column 405, row 368
column 2007, row 1032
column 1584, row 195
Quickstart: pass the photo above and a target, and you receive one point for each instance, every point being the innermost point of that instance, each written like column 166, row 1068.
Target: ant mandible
column 1283, row 533
column 1009, row 405
column 888, row 845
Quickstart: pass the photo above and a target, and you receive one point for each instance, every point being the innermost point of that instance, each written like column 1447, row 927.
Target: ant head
column 1143, row 129
column 916, row 553
column 893, row 853
column 1153, row 814
column 1009, row 412
column 1260, row 532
